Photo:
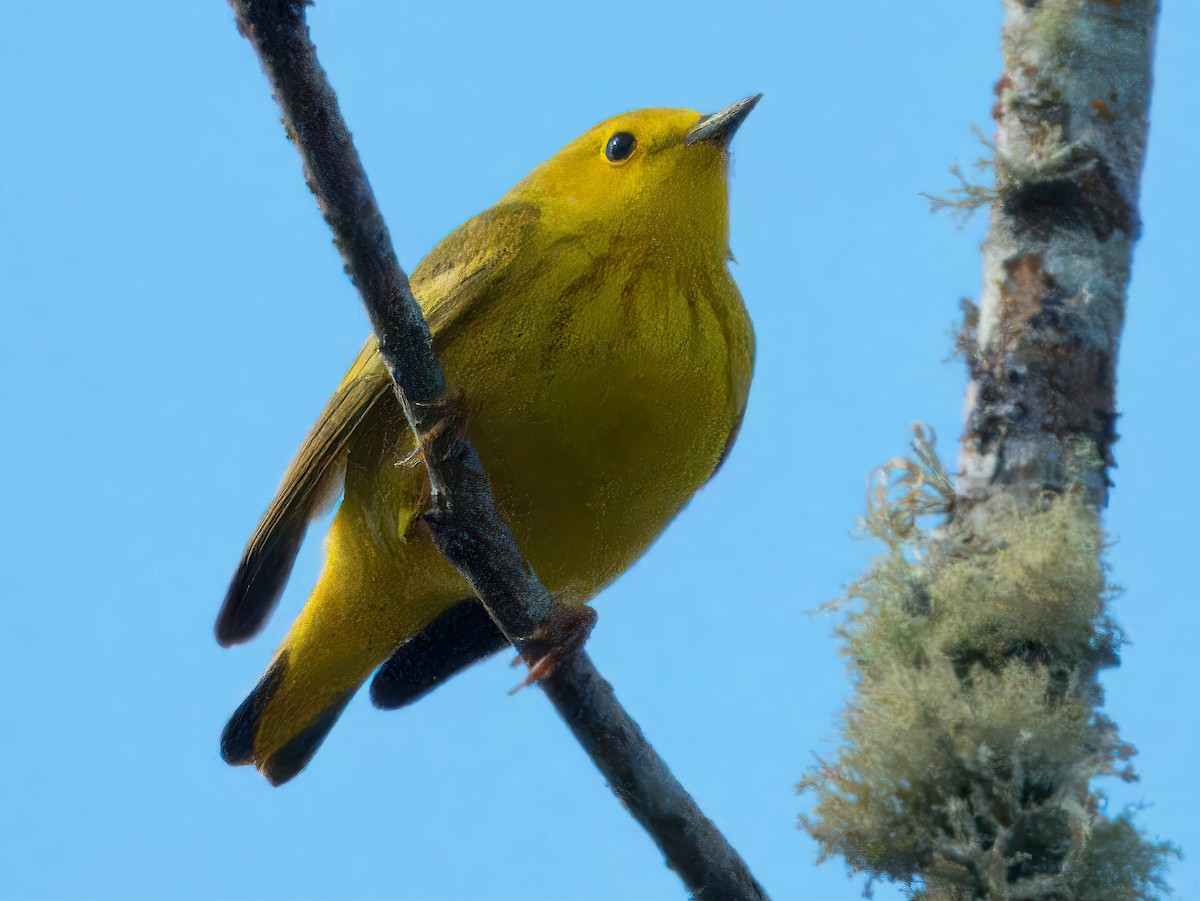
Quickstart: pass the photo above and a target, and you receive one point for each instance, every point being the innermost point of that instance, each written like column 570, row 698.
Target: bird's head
column 658, row 174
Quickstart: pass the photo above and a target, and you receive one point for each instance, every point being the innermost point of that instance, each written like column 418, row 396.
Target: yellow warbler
column 605, row 356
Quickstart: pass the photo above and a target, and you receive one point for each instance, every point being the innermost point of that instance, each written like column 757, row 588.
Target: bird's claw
column 558, row 641
column 449, row 424
column 449, row 415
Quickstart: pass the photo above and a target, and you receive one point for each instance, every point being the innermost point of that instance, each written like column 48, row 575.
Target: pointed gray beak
column 719, row 127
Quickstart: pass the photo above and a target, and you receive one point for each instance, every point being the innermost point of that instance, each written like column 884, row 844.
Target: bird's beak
column 719, row 127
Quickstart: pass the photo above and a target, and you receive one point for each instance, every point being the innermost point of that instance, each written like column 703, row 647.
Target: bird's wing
column 460, row 636
column 449, row 283
column 459, row 275
column 312, row 481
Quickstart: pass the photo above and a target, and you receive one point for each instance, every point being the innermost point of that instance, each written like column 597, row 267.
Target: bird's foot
column 449, row 415
column 558, row 641
column 448, row 418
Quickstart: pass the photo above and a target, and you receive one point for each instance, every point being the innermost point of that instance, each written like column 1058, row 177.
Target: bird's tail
column 461, row 636
column 279, row 760
column 365, row 605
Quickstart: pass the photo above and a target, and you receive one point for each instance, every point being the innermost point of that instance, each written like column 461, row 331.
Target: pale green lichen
column 962, row 201
column 970, row 744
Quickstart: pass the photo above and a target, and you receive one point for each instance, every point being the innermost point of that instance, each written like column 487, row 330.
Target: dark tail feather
column 255, row 588
column 463, row 635
column 238, row 737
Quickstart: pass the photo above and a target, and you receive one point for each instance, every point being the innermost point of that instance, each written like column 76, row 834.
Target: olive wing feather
column 455, row 277
column 311, row 482
column 464, row 272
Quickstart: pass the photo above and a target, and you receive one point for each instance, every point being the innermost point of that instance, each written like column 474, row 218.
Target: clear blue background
column 174, row 316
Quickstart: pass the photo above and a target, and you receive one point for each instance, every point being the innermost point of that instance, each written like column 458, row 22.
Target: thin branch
column 464, row 521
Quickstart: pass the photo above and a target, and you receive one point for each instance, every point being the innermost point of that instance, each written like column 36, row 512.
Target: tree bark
column 464, row 521
column 975, row 732
column 1072, row 117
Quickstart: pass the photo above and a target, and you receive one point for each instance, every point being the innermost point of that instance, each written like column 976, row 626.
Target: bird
column 602, row 356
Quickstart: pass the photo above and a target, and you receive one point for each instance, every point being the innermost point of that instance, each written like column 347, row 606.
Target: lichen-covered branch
column 464, row 521
column 1071, row 114
column 975, row 733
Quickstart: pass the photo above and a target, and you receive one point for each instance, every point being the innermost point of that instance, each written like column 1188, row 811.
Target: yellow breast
column 601, row 392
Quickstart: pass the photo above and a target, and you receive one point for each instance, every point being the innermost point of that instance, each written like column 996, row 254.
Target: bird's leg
column 449, row 424
column 558, row 640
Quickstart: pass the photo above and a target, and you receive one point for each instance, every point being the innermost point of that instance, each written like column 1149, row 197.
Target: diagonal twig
column 464, row 521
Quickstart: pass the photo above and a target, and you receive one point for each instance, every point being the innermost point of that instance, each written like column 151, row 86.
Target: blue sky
column 173, row 315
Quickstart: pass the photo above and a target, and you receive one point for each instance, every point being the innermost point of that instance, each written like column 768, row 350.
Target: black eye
column 620, row 146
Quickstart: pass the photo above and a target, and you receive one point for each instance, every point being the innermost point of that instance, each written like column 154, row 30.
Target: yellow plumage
column 605, row 357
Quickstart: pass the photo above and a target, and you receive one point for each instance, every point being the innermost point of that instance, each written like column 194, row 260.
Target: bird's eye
column 620, row 147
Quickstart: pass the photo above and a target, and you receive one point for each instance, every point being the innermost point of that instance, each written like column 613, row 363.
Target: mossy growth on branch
column 963, row 200
column 971, row 743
